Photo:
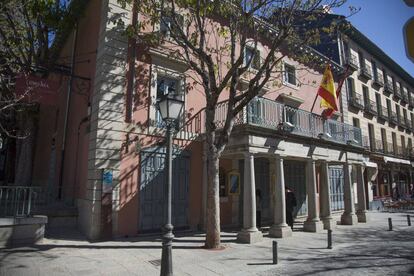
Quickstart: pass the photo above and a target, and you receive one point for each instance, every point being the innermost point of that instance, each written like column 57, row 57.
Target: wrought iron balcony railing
column 388, row 87
column 404, row 97
column 401, row 121
column 356, row 100
column 410, row 99
column 408, row 125
column 365, row 71
column 393, row 117
column 262, row 112
column 397, row 92
column 378, row 78
column 379, row 146
column 370, row 107
column 352, row 61
column 383, row 112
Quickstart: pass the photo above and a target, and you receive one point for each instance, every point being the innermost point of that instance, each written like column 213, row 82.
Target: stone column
column 279, row 228
column 325, row 201
column 362, row 204
column 249, row 233
column 312, row 223
column 348, row 217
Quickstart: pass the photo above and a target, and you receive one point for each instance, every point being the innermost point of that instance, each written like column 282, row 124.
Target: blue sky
column 382, row 22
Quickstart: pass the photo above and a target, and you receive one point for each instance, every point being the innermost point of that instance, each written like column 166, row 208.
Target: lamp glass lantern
column 170, row 107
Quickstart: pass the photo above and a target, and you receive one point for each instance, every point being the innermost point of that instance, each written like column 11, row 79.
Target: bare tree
column 32, row 33
column 212, row 38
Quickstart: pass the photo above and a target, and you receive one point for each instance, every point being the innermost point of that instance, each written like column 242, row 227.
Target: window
column 355, row 122
column 384, row 139
column 374, row 69
column 403, row 142
column 351, row 87
column 371, row 135
column 365, row 94
column 166, row 86
column 394, row 142
column 289, row 75
column 252, row 56
column 378, row 100
column 397, row 110
column 167, row 24
column 389, row 107
column 361, row 60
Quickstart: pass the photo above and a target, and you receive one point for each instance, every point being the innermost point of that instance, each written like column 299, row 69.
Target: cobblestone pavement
column 364, row 249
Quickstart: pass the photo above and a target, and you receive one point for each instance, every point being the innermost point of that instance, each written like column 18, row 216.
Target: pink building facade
column 114, row 155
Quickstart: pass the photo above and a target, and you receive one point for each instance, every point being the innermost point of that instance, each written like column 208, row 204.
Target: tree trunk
column 213, row 200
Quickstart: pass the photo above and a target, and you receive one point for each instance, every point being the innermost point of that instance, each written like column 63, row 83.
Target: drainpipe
column 70, row 88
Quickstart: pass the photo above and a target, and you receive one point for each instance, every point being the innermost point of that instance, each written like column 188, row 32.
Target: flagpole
column 314, row 101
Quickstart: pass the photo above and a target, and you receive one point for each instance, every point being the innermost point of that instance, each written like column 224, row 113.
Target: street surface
column 365, row 249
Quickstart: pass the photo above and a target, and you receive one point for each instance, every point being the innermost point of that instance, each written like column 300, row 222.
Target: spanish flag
column 327, row 90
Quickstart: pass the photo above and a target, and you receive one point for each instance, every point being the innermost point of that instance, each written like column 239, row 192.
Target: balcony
column 356, row 101
column 370, row 107
column 378, row 79
column 365, row 71
column 265, row 113
column 410, row 99
column 393, row 118
column 404, row 97
column 397, row 92
column 383, row 112
column 351, row 60
column 408, row 125
column 401, row 121
column 389, row 149
column 388, row 88
column 378, row 147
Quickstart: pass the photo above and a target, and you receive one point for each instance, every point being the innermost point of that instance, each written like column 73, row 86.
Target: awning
column 370, row 164
column 396, row 160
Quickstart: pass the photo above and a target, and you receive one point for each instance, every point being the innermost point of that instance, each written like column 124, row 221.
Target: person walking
column 290, row 205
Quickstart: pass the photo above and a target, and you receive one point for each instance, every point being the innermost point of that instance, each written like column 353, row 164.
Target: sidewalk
column 368, row 249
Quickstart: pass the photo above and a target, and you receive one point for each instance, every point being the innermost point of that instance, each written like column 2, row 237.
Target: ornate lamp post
column 170, row 107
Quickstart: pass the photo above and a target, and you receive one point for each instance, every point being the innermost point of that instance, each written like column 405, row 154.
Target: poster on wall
column 234, row 183
column 107, row 180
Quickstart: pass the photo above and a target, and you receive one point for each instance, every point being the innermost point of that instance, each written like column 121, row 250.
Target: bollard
column 274, row 252
column 408, row 220
column 329, row 239
column 390, row 224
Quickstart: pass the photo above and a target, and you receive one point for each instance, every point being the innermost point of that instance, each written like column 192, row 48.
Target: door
column 262, row 179
column 152, row 212
column 295, row 178
column 336, row 183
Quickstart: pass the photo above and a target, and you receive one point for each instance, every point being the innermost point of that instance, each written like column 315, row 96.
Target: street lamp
column 170, row 107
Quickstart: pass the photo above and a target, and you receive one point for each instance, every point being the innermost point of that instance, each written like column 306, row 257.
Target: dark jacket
column 290, row 201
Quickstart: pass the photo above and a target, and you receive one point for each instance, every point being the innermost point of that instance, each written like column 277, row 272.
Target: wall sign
column 107, row 180
column 234, row 183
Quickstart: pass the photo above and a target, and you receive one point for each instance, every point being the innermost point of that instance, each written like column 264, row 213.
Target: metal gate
column 295, row 178
column 153, row 185
column 336, row 183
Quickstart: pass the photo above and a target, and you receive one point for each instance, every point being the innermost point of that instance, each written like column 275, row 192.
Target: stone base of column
column 362, row 216
column 328, row 223
column 312, row 226
column 278, row 231
column 245, row 236
column 349, row 219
